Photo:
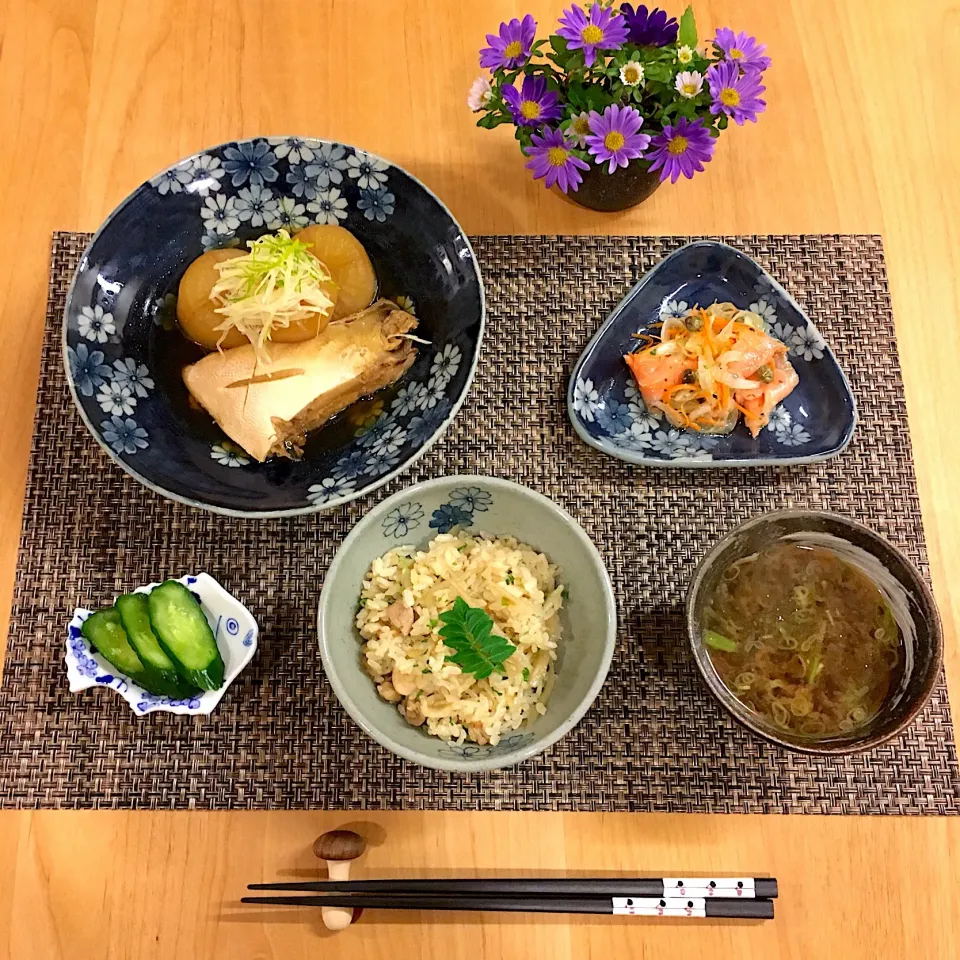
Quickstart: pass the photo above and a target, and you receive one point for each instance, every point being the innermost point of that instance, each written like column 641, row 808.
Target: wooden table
column 97, row 95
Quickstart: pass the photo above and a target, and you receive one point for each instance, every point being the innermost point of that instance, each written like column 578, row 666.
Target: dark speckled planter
column 621, row 190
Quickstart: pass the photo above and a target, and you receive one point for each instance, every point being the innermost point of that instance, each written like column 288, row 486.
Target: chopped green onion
column 719, row 642
column 525, row 674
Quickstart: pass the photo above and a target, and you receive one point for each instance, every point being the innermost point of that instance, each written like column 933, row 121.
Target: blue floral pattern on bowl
column 232, row 624
column 815, row 422
column 124, row 353
column 507, row 745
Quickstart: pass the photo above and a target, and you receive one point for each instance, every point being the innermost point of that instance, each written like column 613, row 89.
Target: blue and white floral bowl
column 124, row 355
column 815, row 422
column 233, row 627
column 484, row 505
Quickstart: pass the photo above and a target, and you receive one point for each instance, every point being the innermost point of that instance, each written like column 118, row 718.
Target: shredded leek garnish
column 274, row 285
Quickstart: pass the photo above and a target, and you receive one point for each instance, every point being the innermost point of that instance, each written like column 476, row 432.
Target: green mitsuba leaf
column 476, row 649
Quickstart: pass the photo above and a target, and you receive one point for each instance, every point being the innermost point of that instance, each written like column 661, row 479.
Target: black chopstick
column 626, row 906
column 716, row 888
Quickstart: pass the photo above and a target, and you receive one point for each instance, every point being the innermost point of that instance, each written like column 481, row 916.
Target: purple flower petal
column 681, row 149
column 552, row 161
column 510, row 48
column 615, row 138
column 651, row 29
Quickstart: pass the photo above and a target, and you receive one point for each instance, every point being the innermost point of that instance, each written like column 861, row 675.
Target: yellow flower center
column 613, row 141
column 678, row 145
column 729, row 97
column 581, row 126
column 529, row 109
column 557, row 156
column 685, row 55
column 514, row 49
column 735, row 54
column 689, row 88
column 591, row 34
column 631, row 74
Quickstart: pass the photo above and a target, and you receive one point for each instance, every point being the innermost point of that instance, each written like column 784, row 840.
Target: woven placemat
column 654, row 740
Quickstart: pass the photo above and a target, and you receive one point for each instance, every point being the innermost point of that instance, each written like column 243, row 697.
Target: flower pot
column 624, row 188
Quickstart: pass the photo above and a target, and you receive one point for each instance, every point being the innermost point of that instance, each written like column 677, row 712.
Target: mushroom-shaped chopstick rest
column 337, row 848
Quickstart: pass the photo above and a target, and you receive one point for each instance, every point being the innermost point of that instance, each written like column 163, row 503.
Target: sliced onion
column 729, row 356
column 738, row 383
column 704, row 375
column 726, row 332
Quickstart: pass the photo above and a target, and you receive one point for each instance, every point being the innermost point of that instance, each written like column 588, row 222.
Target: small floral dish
column 233, row 627
column 815, row 422
column 124, row 356
column 483, row 505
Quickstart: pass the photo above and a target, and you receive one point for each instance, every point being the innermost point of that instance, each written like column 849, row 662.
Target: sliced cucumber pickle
column 134, row 610
column 104, row 630
column 185, row 636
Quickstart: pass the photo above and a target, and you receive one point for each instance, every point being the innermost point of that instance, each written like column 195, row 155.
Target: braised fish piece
column 267, row 406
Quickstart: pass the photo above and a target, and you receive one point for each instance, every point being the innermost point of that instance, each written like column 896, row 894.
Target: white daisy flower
column 329, row 160
column 135, row 376
column 676, row 309
column 631, row 73
column 330, row 489
column 807, row 343
column 446, row 363
column 673, row 443
column 206, row 172
column 638, row 438
column 793, row 436
column 406, row 304
column 219, row 214
column 294, row 149
column 256, row 205
column 388, row 442
column 684, row 54
column 689, row 83
column 436, row 391
column 480, row 94
column 782, row 331
column 228, row 455
column 117, row 399
column 95, row 325
column 329, row 207
column 172, row 180
column 579, row 129
column 765, row 308
column 289, row 215
column 367, row 170
column 586, row 400
column 409, row 399
column 780, row 420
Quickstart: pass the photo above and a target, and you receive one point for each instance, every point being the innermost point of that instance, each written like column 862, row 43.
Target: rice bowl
column 417, row 516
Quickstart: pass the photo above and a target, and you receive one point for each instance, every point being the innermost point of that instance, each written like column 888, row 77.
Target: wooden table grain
column 97, row 95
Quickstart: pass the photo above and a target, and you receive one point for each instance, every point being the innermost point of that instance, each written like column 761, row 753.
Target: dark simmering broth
column 803, row 638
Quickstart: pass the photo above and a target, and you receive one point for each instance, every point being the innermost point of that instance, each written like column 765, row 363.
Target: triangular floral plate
column 815, row 422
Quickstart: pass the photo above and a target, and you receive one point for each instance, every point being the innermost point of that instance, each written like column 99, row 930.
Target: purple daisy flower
column 683, row 148
column 550, row 158
column 742, row 49
column 533, row 104
column 651, row 29
column 511, row 49
column 602, row 30
column 734, row 93
column 616, row 136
